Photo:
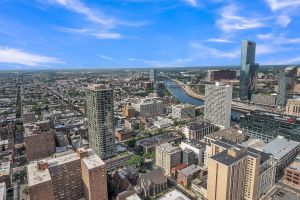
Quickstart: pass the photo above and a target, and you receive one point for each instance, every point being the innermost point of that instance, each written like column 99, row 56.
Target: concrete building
column 186, row 175
column 73, row 176
column 248, row 70
column 232, row 134
column 197, row 130
column 163, row 122
column 149, row 107
column 3, row 191
column 262, row 99
column 128, row 111
column 188, row 156
column 217, row 104
column 100, row 113
column 225, row 74
column 153, row 75
column 174, row 195
column 293, row 107
column 39, row 142
column 167, row 157
column 197, row 147
column 159, row 88
column 5, row 174
column 183, row 111
column 292, row 174
column 284, row 151
column 246, row 171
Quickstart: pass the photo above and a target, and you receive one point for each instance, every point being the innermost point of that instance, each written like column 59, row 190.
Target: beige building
column 39, row 143
column 167, row 157
column 293, row 107
column 236, row 172
column 183, row 111
column 100, row 113
column 68, row 177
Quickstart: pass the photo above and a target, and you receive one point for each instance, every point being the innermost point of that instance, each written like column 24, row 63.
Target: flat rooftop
column 158, row 139
column 295, row 165
column 92, row 161
column 225, row 133
column 174, row 195
column 279, row 147
column 190, row 169
column 168, row 148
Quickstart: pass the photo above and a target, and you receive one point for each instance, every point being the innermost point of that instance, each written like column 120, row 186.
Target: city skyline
column 64, row 34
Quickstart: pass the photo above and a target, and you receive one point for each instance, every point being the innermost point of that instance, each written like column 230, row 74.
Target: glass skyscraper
column 248, row 70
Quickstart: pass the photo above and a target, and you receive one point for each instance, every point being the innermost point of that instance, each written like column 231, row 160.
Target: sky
column 46, row 34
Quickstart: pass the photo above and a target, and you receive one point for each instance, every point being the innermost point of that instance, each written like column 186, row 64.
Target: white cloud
column 230, row 20
column 158, row 63
column 278, row 39
column 209, row 52
column 282, row 4
column 219, row 40
column 283, row 20
column 95, row 33
column 193, row 3
column 18, row 56
column 106, row 57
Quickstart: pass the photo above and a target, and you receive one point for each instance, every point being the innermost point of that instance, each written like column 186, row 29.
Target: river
column 179, row 94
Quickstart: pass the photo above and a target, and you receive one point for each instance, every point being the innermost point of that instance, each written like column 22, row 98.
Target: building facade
column 248, row 70
column 167, row 157
column 149, row 107
column 182, row 112
column 217, row 104
column 197, row 130
column 100, row 113
column 293, row 107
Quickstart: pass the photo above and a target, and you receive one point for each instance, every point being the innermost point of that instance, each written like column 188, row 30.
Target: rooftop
column 92, row 160
column 198, row 125
column 295, row 165
column 174, row 195
column 225, row 133
column 168, row 148
column 279, row 147
column 190, row 170
column 194, row 143
column 97, row 87
column 158, row 139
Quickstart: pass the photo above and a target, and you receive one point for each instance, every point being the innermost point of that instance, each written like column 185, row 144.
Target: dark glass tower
column 248, row 70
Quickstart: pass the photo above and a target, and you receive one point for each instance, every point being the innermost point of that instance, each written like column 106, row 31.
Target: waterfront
column 179, row 94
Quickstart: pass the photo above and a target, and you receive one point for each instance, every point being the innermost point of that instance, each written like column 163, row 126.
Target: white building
column 217, row 104
column 163, row 122
column 197, row 147
column 149, row 107
column 183, row 111
column 174, row 195
column 197, row 130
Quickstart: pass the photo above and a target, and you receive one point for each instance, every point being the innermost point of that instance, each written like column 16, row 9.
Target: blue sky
column 42, row 34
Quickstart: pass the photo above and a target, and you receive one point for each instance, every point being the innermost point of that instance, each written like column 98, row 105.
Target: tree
column 135, row 160
column 131, row 143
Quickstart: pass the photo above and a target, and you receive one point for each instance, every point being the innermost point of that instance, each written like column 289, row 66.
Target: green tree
column 135, row 160
column 131, row 143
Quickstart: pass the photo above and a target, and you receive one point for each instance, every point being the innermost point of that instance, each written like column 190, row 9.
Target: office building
column 292, row 174
column 267, row 126
column 225, row 74
column 183, row 111
column 236, row 172
column 73, row 176
column 248, row 70
column 39, row 142
column 197, row 130
column 188, row 156
column 217, row 104
column 282, row 87
column 264, row 99
column 167, row 157
column 153, row 75
column 293, row 107
column 149, row 107
column 100, row 113
column 198, row 149
column 284, row 151
column 159, row 88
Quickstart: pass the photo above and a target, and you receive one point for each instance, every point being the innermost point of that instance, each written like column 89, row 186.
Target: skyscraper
column 217, row 104
column 248, row 70
column 153, row 75
column 100, row 113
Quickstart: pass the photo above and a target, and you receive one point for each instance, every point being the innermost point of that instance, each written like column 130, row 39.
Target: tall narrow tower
column 248, row 70
column 100, row 113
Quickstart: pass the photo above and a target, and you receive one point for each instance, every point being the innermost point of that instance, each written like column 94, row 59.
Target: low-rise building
column 186, row 175
column 197, row 130
column 232, row 134
column 174, row 195
column 293, row 107
column 292, row 174
column 149, row 107
column 123, row 134
column 167, row 157
column 153, row 182
column 183, row 111
column 163, row 122
column 5, row 173
column 284, row 151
